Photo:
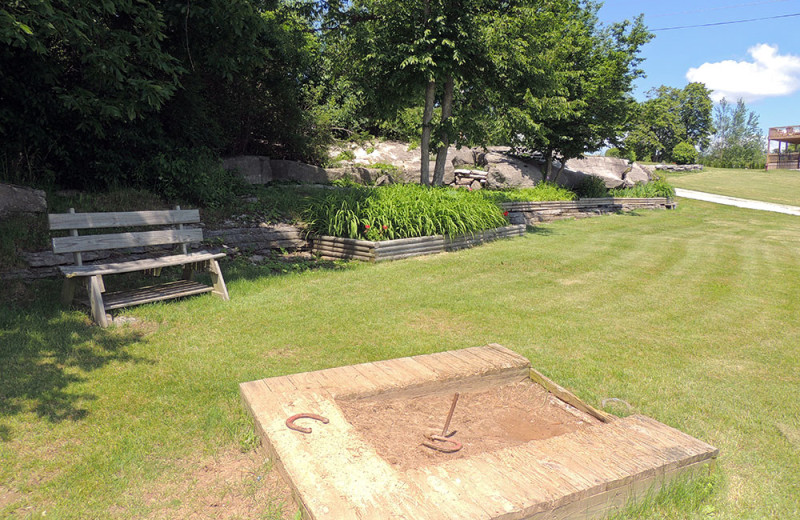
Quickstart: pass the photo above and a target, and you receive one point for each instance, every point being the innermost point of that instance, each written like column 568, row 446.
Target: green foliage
column 658, row 187
column 737, row 142
column 543, row 191
column 684, row 153
column 345, row 155
column 400, row 211
column 591, row 187
column 386, row 168
column 669, row 117
column 195, row 176
column 93, row 92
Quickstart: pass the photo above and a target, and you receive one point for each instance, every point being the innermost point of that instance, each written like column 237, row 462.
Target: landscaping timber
column 379, row 251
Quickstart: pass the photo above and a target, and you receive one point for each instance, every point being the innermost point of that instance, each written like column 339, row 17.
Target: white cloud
column 769, row 75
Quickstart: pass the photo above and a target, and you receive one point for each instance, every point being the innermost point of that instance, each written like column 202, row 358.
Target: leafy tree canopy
column 737, row 141
column 669, row 117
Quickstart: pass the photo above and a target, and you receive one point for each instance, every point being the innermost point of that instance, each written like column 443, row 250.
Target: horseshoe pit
column 529, row 449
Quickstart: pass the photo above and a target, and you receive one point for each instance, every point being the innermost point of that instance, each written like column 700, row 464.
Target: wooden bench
column 92, row 274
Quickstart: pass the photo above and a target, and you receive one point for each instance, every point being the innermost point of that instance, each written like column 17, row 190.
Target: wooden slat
column 71, row 271
column 153, row 293
column 122, row 219
column 568, row 397
column 122, row 240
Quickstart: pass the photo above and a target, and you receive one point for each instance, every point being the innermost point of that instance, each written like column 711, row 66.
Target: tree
column 536, row 73
column 671, row 116
column 737, row 142
column 91, row 91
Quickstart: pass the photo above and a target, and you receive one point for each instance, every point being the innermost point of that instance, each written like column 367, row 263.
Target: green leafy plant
column 543, row 191
column 400, row 211
column 684, row 153
column 345, row 155
column 591, row 187
column 658, row 187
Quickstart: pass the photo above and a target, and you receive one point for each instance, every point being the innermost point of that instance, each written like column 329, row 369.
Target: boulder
column 505, row 171
column 255, row 169
column 616, row 172
column 283, row 170
column 19, row 199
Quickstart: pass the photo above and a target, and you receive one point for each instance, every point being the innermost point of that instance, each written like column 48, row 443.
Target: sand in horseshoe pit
column 484, row 420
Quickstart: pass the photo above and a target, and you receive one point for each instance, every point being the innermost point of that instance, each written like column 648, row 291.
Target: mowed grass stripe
column 689, row 315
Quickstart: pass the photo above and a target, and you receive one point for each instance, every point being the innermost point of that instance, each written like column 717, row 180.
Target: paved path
column 741, row 203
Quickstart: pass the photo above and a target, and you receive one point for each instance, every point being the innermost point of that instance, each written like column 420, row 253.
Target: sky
column 758, row 61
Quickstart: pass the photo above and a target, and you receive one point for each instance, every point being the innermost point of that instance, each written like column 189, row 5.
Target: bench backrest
column 77, row 244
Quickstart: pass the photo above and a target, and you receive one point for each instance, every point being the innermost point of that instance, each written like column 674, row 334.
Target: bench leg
column 68, row 291
column 217, row 280
column 188, row 272
column 95, row 289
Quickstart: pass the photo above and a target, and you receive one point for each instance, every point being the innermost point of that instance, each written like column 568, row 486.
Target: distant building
column 784, row 158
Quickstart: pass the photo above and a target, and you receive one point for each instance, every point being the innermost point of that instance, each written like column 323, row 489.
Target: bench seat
column 71, row 271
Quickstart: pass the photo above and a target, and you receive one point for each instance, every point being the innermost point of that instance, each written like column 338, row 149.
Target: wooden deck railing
column 782, row 132
column 783, row 161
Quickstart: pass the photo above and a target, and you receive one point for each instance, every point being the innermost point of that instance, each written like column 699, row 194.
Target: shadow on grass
column 46, row 350
column 243, row 268
column 542, row 231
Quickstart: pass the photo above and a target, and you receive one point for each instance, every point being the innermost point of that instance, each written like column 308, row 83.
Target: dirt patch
column 230, row 485
column 483, row 421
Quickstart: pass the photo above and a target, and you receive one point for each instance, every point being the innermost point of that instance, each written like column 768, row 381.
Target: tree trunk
column 425, row 143
column 561, row 169
column 548, row 172
column 441, row 153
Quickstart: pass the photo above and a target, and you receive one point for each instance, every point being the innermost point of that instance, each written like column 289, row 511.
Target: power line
column 734, row 6
column 725, row 23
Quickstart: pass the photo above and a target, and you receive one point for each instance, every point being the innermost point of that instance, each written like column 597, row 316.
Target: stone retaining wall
column 531, row 213
column 261, row 239
column 264, row 238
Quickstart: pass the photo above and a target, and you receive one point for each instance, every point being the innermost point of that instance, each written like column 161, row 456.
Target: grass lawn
column 779, row 186
column 689, row 315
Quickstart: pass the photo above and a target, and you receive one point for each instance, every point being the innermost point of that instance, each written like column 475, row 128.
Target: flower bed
column 378, row 251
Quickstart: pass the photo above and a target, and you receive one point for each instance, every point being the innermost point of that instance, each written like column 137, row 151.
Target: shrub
column 684, row 153
column 400, row 211
column 591, row 187
column 541, row 192
column 659, row 187
column 194, row 176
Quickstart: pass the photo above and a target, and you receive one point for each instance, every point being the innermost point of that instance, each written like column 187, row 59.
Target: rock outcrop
column 503, row 169
column 19, row 199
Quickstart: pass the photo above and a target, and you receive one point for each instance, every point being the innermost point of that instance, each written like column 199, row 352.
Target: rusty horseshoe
column 444, row 449
column 290, row 421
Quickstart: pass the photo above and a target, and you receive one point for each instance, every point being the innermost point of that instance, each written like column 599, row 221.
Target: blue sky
column 758, row 61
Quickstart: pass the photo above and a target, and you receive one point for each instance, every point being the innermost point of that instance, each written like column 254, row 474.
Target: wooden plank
column 72, row 244
column 340, row 240
column 406, row 252
column 122, row 219
column 349, row 382
column 568, row 397
column 334, row 246
column 154, row 293
column 406, row 255
column 138, row 265
column 503, row 351
column 405, row 241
